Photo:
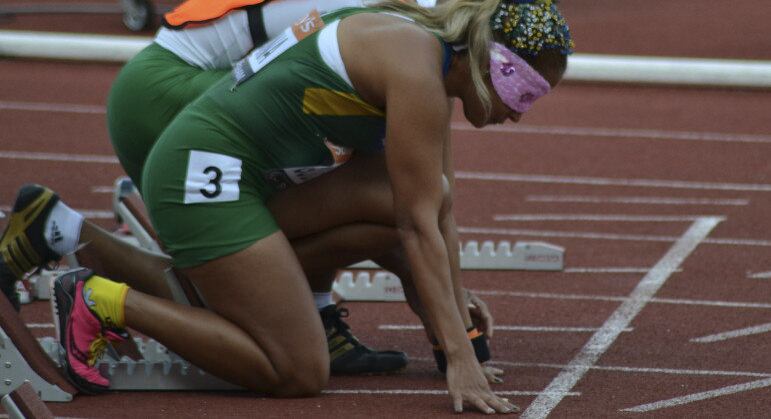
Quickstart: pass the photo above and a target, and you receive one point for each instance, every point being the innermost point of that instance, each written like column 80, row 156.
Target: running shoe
column 83, row 336
column 23, row 245
column 8, row 285
column 348, row 356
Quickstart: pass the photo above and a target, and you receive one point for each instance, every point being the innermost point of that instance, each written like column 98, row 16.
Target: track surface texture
column 660, row 196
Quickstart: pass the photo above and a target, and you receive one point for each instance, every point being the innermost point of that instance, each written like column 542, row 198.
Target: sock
column 107, row 299
column 323, row 299
column 62, row 229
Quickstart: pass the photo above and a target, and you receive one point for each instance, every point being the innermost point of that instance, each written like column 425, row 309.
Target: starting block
column 24, row 403
column 23, row 360
column 525, row 256
column 383, row 286
column 36, row 362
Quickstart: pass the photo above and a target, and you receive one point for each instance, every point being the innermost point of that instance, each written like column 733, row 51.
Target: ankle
column 107, row 300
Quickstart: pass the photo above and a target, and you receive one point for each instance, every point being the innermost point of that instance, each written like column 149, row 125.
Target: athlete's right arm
column 417, row 127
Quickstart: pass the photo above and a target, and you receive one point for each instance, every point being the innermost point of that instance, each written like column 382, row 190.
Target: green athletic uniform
column 206, row 180
column 148, row 93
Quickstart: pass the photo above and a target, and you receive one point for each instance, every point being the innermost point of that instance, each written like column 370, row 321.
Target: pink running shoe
column 84, row 338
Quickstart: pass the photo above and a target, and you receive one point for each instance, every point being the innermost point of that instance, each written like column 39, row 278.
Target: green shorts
column 148, row 93
column 202, row 188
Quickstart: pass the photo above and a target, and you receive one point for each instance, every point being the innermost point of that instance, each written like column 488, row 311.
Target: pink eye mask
column 518, row 84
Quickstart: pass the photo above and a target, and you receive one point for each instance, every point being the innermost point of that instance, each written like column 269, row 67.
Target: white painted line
column 669, row 371
column 711, row 394
column 599, row 181
column 608, row 270
column 505, row 328
column 675, row 301
column 600, row 217
column 418, row 392
column 636, row 200
column 102, row 189
column 51, row 107
column 760, row 275
column 88, row 213
column 754, row 330
column 621, row 318
column 603, row 236
column 40, row 325
column 616, row 133
column 62, row 157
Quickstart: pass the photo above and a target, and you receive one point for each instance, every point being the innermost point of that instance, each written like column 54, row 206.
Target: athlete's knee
column 306, row 377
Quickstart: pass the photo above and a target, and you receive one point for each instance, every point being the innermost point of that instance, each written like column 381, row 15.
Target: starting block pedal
column 524, row 256
column 527, row 256
column 23, row 360
column 24, row 403
column 157, row 369
column 383, row 286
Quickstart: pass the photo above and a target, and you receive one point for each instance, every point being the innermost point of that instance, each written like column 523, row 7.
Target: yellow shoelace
column 96, row 349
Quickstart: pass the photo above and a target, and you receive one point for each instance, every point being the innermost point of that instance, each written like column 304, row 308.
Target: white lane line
column 635, row 200
column 102, row 189
column 51, row 107
column 507, row 328
column 616, row 133
column 669, row 371
column 621, row 318
column 418, row 392
column 705, row 395
column 88, row 213
column 600, row 217
column 61, row 157
column 465, row 126
column 731, row 334
column 610, row 298
column 759, row 275
column 40, row 325
column 505, row 177
column 603, row 236
column 607, row 270
column 600, row 181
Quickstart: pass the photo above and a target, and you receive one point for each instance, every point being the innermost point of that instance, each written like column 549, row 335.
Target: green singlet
column 207, row 178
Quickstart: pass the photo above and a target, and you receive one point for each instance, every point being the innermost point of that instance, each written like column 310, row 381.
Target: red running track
column 627, row 179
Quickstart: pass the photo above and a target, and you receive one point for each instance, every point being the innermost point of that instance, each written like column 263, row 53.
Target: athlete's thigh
column 359, row 191
column 263, row 290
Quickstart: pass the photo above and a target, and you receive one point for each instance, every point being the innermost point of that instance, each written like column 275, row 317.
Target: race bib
column 260, row 57
column 211, row 177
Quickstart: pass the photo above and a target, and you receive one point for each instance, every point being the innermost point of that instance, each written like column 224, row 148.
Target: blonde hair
column 463, row 23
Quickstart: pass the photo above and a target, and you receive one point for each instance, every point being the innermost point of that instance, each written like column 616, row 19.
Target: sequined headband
column 527, row 27
column 517, row 84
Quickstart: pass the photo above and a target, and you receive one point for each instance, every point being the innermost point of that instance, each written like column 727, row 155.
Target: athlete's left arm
column 450, row 231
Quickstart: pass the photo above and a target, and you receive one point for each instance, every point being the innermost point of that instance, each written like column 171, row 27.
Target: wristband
column 478, row 341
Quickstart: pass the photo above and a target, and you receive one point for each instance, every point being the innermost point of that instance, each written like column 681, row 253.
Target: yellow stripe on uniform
column 319, row 101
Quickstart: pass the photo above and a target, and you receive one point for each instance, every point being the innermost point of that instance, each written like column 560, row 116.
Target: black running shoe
column 348, row 356
column 8, row 285
column 23, row 246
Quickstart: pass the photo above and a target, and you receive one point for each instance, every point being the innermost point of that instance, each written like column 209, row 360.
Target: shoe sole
column 61, row 314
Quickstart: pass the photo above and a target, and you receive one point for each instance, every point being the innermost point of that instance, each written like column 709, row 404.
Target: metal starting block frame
column 16, row 371
column 384, row 286
column 525, row 256
column 159, row 369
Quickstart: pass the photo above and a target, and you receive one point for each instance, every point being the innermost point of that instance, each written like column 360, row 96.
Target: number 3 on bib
column 211, row 177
